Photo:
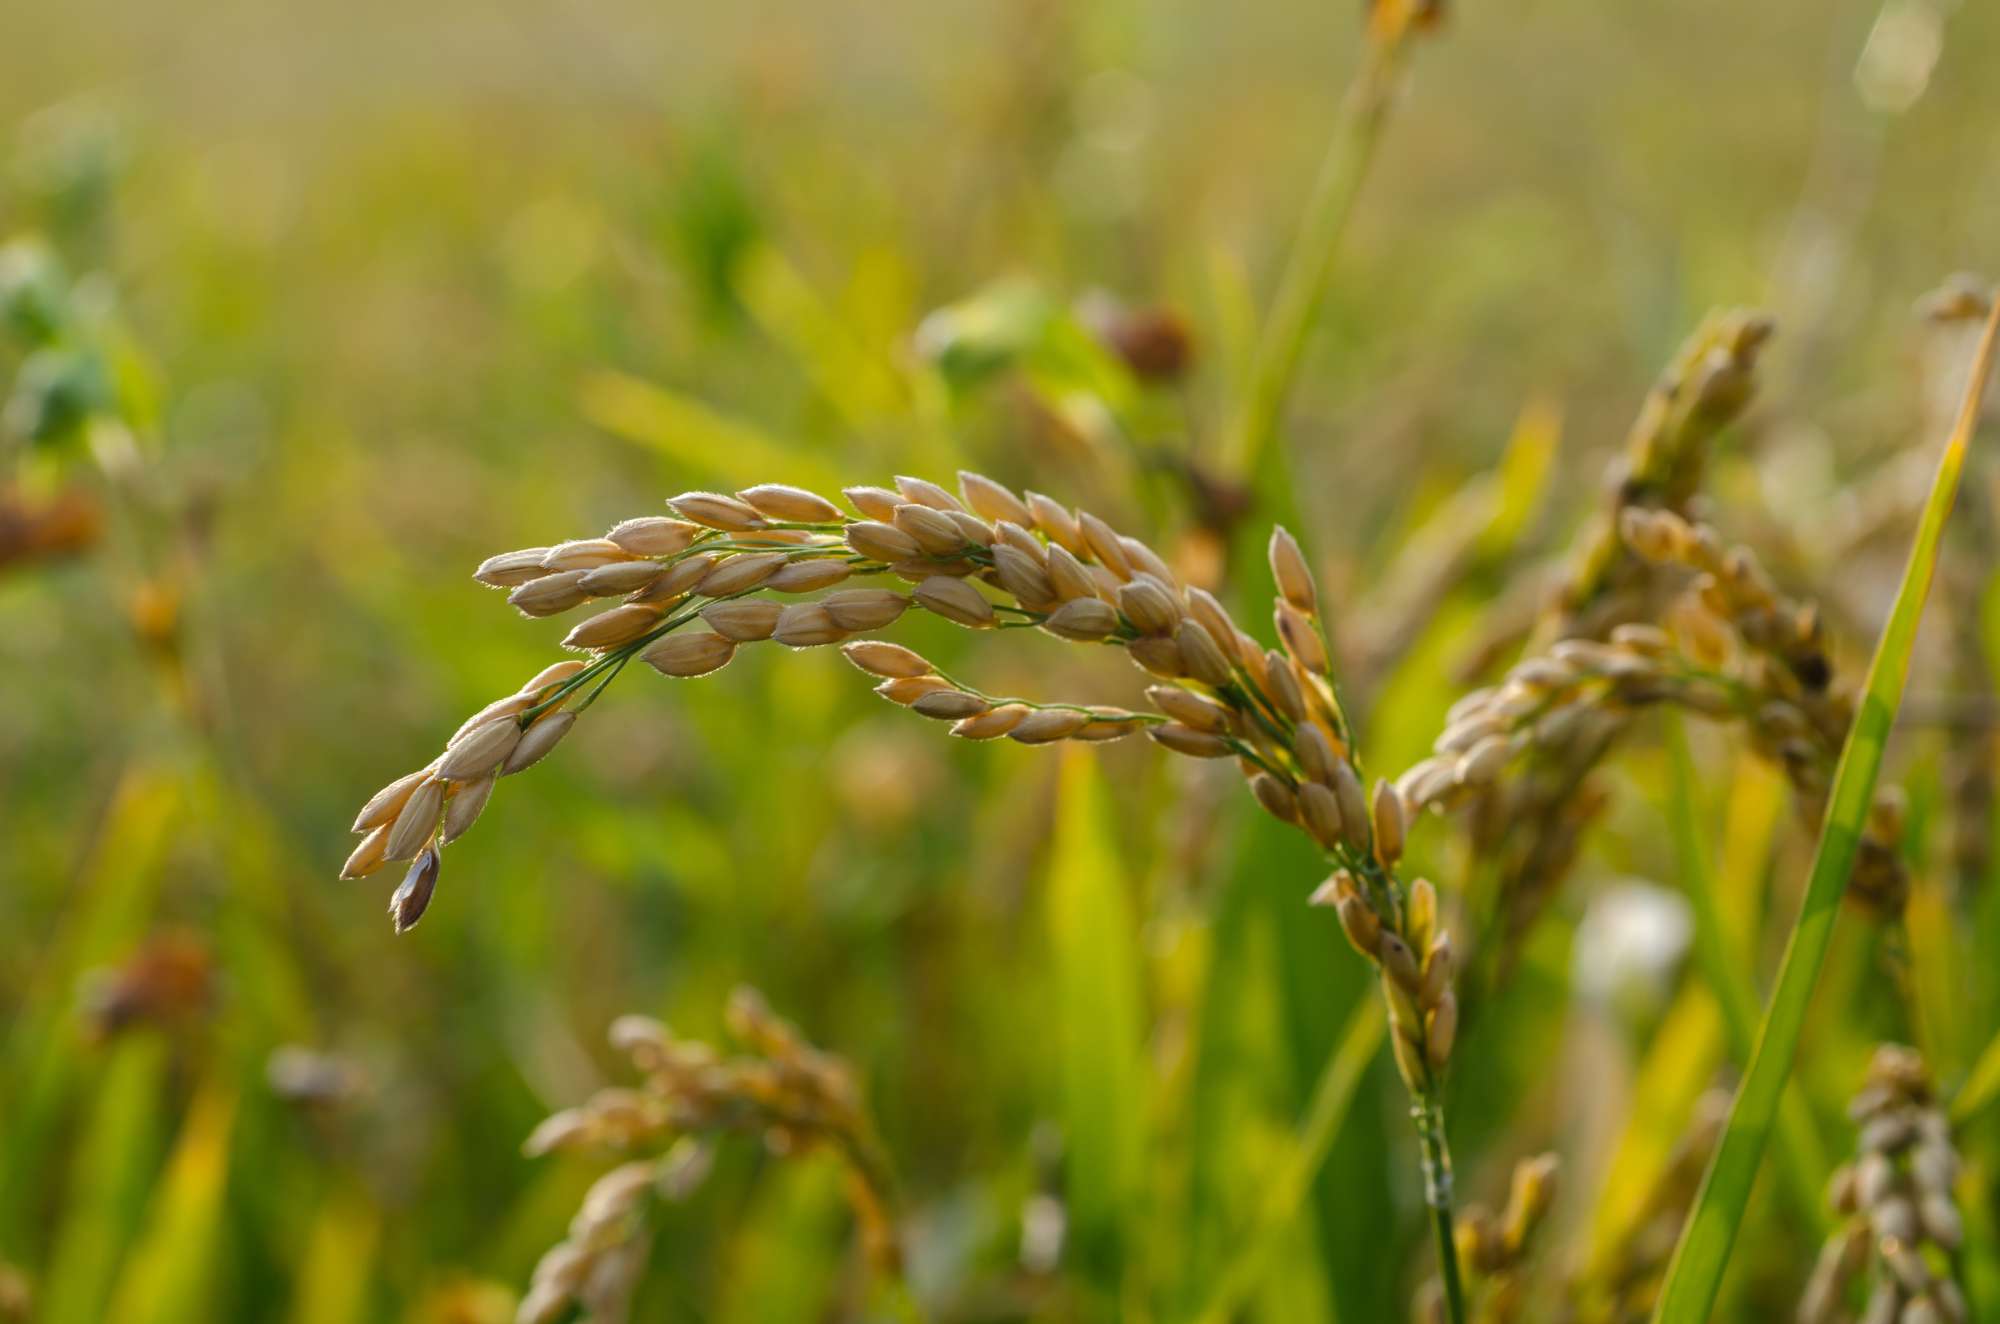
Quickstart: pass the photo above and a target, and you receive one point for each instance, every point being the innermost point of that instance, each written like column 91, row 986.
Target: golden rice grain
column 931, row 529
column 739, row 574
column 1044, row 725
column 385, row 804
column 990, row 500
column 889, row 660
column 956, row 601
column 511, row 569
column 1104, row 545
column 549, row 594
column 1024, row 577
column 1058, row 522
column 685, row 655
column 584, row 554
column 620, row 625
column 906, row 690
column 462, row 807
column 620, row 577
column 1276, row 797
column 1189, row 708
column 654, row 535
column 875, row 503
column 1300, row 637
column 808, row 575
column 949, row 705
column 882, row 542
column 716, row 511
column 369, row 855
column 1187, row 740
column 1160, row 655
column 1201, row 655
column 416, row 821
column 1148, row 605
column 923, row 492
column 537, row 741
column 1069, row 578
column 806, row 625
column 483, row 749
column 743, row 620
column 993, row 723
column 1289, row 569
column 1083, row 621
column 781, row 501
column 1388, row 817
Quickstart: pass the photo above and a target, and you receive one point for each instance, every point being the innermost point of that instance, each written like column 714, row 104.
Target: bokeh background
column 377, row 290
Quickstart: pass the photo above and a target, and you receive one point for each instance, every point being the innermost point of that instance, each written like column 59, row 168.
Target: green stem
column 1694, row 1275
column 1302, row 287
column 1428, row 1113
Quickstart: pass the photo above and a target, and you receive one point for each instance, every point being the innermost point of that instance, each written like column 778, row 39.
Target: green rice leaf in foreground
column 1695, row 1275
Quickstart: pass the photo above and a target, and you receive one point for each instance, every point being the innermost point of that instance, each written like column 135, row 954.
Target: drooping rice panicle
column 780, row 1089
column 698, row 586
column 1901, row 1229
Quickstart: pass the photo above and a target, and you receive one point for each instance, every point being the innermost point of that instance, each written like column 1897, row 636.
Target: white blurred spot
column 1902, row 51
column 1631, row 939
column 1042, row 1226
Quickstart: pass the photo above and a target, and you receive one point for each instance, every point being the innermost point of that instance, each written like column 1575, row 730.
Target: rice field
column 1428, row 577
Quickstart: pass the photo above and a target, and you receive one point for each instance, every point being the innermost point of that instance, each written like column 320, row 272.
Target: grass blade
column 1332, row 1095
column 694, row 437
column 1302, row 286
column 1727, row 967
column 1981, row 1087
column 1695, row 1275
column 1101, row 1041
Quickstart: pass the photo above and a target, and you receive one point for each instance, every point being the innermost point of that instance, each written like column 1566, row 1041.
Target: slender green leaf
column 1332, row 1096
column 172, row 1271
column 1981, row 1087
column 1695, row 1276
column 694, row 436
column 1727, row 967
column 856, row 382
column 337, row 1269
column 114, row 1164
column 1095, row 938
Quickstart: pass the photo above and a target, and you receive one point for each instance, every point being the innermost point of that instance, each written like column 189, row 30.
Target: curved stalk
column 1302, row 286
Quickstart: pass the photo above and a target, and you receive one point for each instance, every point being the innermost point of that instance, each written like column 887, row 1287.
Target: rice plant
column 1413, row 823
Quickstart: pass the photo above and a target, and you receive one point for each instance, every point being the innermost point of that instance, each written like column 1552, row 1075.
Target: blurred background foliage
column 312, row 308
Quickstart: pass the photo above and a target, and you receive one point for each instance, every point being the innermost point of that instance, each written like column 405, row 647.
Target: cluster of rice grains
column 780, row 1088
column 1901, row 1227
column 731, row 570
column 1497, row 1250
column 729, row 567
column 1655, row 609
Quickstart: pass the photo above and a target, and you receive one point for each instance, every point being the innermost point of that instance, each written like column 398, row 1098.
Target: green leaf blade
column 1694, row 1277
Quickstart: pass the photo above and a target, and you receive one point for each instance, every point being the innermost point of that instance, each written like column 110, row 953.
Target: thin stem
column 1428, row 1113
column 1302, row 287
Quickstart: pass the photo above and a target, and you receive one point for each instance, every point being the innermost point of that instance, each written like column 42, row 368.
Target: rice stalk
column 992, row 561
column 1696, row 1273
